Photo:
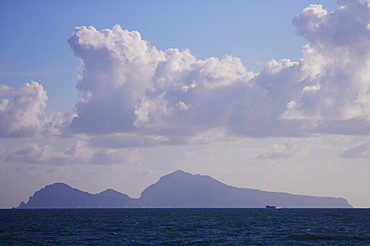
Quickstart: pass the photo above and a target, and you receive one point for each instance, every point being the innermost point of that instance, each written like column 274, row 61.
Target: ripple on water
column 185, row 226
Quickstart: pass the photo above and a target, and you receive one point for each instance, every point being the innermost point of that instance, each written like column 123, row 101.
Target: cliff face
column 178, row 189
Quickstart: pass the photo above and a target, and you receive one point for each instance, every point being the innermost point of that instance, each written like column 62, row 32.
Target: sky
column 268, row 95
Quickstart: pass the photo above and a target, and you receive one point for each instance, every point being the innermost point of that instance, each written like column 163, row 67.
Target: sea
column 185, row 226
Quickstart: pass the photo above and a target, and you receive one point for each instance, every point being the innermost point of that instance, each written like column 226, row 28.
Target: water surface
column 185, row 227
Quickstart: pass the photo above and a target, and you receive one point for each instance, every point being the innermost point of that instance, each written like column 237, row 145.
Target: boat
column 268, row 206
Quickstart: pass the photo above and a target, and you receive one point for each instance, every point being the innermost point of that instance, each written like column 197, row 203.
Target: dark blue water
column 185, row 227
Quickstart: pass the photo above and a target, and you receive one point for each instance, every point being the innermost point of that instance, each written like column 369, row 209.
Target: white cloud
column 22, row 119
column 25, row 117
column 336, row 61
column 155, row 91
column 78, row 153
column 114, row 74
column 129, row 86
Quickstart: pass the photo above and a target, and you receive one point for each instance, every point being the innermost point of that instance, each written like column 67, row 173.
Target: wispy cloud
column 361, row 150
column 4, row 89
column 78, row 153
column 290, row 149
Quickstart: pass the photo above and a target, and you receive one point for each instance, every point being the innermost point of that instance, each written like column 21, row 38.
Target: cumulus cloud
column 130, row 88
column 22, row 119
column 336, row 62
column 24, row 116
column 358, row 151
column 135, row 87
column 136, row 95
column 114, row 74
column 78, row 153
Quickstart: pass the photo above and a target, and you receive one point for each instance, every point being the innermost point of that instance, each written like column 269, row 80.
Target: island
column 177, row 190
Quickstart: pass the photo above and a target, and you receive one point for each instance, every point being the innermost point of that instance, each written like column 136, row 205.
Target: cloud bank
column 129, row 86
column 78, row 153
column 135, row 95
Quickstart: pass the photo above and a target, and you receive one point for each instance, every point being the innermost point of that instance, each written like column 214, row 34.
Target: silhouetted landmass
column 177, row 190
column 61, row 195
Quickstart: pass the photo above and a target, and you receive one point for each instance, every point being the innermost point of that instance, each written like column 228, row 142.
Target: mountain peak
column 183, row 189
column 109, row 191
column 177, row 173
column 58, row 185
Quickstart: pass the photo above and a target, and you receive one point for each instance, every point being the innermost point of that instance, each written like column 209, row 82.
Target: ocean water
column 185, row 227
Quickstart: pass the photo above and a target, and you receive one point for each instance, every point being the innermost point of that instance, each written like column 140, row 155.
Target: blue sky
column 248, row 118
